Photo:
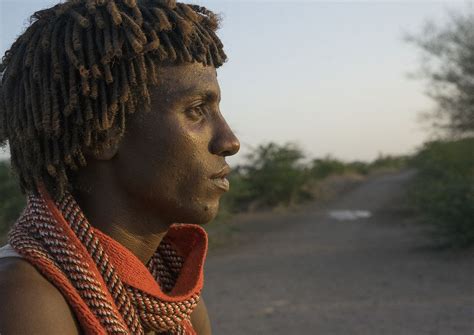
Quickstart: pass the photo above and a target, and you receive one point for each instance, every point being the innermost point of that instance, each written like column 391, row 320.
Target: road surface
column 308, row 272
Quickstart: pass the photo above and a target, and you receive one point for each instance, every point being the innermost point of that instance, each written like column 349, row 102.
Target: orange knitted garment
column 110, row 290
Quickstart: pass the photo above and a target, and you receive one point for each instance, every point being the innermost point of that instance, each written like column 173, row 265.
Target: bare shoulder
column 30, row 303
column 200, row 319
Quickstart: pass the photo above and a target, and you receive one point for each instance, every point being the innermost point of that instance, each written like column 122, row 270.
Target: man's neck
column 115, row 214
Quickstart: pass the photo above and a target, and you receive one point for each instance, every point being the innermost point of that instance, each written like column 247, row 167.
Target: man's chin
column 200, row 216
column 207, row 216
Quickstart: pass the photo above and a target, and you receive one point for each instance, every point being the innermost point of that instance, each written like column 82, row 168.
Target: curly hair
column 69, row 81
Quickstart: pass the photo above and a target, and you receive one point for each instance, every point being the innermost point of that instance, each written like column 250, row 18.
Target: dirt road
column 310, row 273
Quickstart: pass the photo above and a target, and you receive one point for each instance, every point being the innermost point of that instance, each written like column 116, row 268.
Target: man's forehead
column 188, row 79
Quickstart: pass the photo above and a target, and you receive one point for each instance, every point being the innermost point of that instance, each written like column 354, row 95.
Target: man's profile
column 111, row 112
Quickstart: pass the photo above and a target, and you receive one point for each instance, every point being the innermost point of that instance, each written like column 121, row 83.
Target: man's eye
column 196, row 113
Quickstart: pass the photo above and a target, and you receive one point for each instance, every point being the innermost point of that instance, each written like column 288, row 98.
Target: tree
column 274, row 174
column 448, row 67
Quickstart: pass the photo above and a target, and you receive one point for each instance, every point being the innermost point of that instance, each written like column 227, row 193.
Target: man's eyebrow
column 205, row 94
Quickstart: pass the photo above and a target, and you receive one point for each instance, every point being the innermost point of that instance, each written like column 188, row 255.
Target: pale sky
column 330, row 76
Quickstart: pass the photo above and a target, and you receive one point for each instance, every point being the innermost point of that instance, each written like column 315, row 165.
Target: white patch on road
column 272, row 308
column 349, row 214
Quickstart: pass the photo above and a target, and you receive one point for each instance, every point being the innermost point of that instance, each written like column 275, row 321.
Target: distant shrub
column 444, row 190
column 359, row 167
column 389, row 162
column 239, row 195
column 273, row 175
column 322, row 168
column 11, row 199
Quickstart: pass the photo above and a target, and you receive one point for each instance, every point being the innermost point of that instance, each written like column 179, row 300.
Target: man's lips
column 221, row 183
column 222, row 173
column 219, row 178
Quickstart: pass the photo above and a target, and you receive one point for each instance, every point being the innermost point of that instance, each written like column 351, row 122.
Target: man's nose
column 225, row 143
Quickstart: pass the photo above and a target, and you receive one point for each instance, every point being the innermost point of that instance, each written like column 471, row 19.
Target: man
column 111, row 111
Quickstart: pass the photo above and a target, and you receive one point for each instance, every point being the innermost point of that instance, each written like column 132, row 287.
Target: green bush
column 11, row 199
column 322, row 168
column 328, row 166
column 272, row 176
column 359, row 167
column 444, row 190
column 239, row 195
column 388, row 162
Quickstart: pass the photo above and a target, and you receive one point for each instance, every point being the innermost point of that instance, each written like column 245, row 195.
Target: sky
column 332, row 77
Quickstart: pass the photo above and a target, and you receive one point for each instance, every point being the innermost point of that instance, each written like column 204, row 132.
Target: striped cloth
column 110, row 290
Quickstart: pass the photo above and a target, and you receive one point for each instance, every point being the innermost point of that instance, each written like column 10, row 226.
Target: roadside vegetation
column 443, row 190
column 11, row 199
column 276, row 176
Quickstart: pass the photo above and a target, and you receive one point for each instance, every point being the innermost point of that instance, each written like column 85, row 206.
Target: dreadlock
column 68, row 82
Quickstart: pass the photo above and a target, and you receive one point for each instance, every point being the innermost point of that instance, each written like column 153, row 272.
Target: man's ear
column 106, row 150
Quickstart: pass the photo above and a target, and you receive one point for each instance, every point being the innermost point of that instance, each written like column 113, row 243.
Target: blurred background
column 351, row 209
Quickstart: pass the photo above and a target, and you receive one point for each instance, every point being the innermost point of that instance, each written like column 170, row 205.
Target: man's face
column 169, row 155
